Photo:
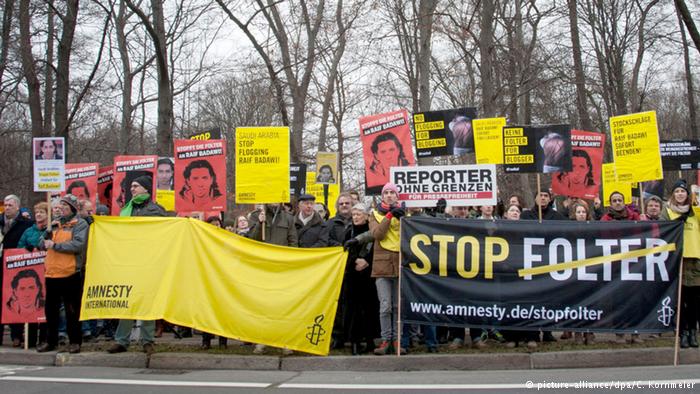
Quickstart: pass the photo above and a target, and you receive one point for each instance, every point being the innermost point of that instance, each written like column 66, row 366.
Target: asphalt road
column 78, row 380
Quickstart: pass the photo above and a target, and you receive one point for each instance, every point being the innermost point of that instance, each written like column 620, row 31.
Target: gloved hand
column 351, row 243
column 398, row 212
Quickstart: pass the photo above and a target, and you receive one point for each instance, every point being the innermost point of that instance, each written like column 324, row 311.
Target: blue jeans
column 429, row 332
column 123, row 333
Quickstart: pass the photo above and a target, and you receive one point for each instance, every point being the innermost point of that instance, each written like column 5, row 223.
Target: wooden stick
column 539, row 207
column 641, row 197
column 398, row 305
column 676, row 348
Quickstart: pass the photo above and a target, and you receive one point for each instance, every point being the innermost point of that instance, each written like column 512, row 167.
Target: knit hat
column 390, row 186
column 682, row 184
column 146, row 182
column 72, row 201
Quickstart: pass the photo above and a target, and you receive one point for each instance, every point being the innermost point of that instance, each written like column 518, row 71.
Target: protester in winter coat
column 64, row 263
column 141, row 204
column 543, row 199
column 309, row 224
column 679, row 207
column 273, row 225
column 618, row 210
column 359, row 292
column 384, row 228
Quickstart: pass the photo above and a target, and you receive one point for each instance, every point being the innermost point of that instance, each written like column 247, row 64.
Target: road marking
column 488, row 386
column 11, row 370
column 134, row 382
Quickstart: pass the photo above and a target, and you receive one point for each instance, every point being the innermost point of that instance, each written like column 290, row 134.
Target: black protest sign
column 213, row 134
column 297, row 179
column 538, row 149
column 680, row 155
column 445, row 132
column 599, row 276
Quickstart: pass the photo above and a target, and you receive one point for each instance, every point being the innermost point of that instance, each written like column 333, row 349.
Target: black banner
column 680, row 155
column 213, row 134
column 297, row 179
column 542, row 149
column 444, row 133
column 613, row 276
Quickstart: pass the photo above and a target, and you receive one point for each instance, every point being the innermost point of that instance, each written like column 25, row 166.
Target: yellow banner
column 316, row 190
column 610, row 184
column 635, row 142
column 166, row 198
column 488, row 140
column 205, row 277
column 262, row 165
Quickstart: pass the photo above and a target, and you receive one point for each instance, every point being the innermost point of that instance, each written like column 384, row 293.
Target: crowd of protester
column 367, row 308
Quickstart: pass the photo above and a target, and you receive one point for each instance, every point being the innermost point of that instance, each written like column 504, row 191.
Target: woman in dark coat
column 362, row 305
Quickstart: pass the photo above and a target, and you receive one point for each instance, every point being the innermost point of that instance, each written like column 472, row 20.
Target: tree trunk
column 33, row 85
column 688, row 80
column 689, row 23
column 127, row 80
column 48, row 82
column 7, row 16
column 486, row 48
column 579, row 76
column 165, row 94
column 426, row 13
column 65, row 46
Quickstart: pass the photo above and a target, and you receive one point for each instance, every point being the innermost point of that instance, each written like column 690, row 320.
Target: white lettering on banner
column 560, row 250
column 458, row 185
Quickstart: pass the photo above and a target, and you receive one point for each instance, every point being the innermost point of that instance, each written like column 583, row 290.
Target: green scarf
column 138, row 199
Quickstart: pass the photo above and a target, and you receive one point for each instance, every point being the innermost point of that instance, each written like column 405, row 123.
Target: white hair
column 14, row 198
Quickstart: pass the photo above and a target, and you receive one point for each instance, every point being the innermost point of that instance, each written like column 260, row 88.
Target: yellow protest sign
column 610, row 184
column 316, row 190
column 166, row 198
column 635, row 143
column 488, row 140
column 207, row 278
column 262, row 165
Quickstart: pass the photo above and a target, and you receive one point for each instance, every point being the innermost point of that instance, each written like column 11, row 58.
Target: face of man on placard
column 164, row 175
column 27, row 292
column 200, row 182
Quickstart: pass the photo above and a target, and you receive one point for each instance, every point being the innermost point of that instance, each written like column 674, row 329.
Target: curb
column 213, row 361
column 102, row 359
column 447, row 362
column 475, row 362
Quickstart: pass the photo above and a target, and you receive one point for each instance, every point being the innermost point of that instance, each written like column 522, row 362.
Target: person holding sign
column 64, row 263
column 679, row 207
column 384, row 225
column 141, row 204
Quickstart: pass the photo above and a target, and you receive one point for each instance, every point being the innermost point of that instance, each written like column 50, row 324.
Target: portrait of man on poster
column 200, row 188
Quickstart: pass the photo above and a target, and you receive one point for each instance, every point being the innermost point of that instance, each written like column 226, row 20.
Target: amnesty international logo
column 666, row 312
column 316, row 331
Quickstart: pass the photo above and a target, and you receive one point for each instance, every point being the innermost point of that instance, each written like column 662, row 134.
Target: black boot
column 223, row 343
column 206, row 343
column 693, row 338
column 684, row 339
